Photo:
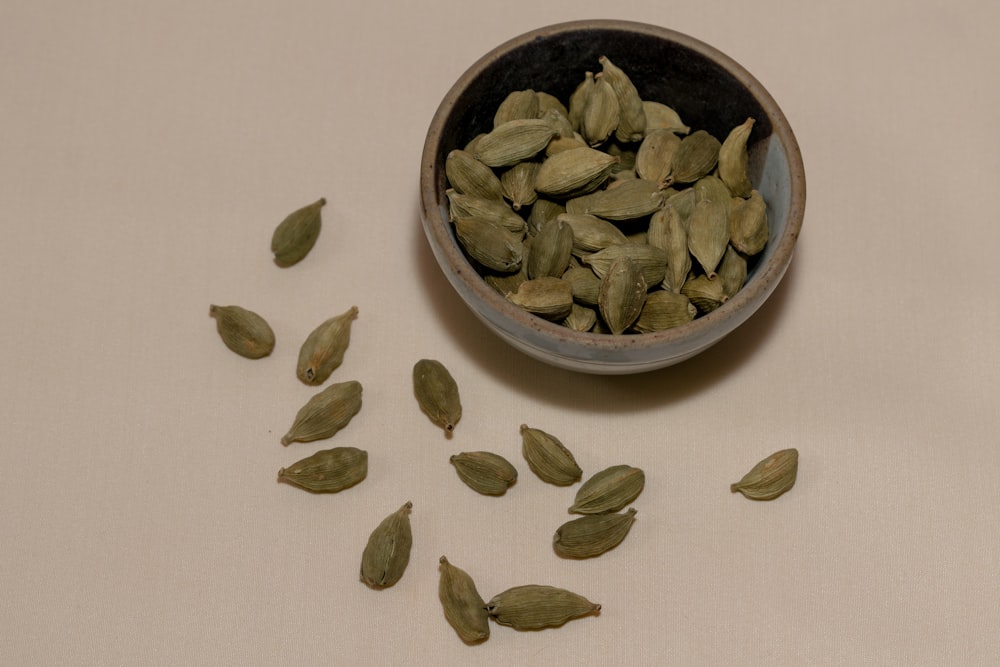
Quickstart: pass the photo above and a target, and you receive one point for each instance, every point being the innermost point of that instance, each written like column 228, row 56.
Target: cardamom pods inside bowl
column 642, row 142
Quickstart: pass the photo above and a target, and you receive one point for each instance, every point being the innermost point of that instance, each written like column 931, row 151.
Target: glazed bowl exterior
column 708, row 89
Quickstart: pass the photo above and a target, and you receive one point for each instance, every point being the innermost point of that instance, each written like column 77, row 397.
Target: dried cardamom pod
column 550, row 250
column 328, row 471
column 652, row 260
column 495, row 210
column 243, row 331
column 574, row 172
column 712, row 187
column 518, row 184
column 560, row 144
column 387, row 553
column 463, row 607
column 490, row 244
column 547, row 297
column 622, row 294
column 580, row 318
column 437, row 393
column 601, row 112
column 664, row 310
column 535, row 606
column 668, row 232
column 485, row 472
column 296, row 235
column 591, row 233
column 654, row 159
column 548, row 457
column 684, row 202
column 324, row 348
column 325, row 413
column 517, row 105
column 578, row 100
column 609, row 490
column 704, row 293
column 585, row 283
column 541, row 212
column 771, row 477
column 732, row 271
column 632, row 122
column 471, row 177
column 661, row 117
column 592, row 535
column 748, row 228
column 548, row 102
column 733, row 159
column 696, row 156
column 632, row 198
column 514, row 141
column 708, row 234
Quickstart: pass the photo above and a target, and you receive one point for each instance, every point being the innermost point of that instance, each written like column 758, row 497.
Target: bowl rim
column 516, row 322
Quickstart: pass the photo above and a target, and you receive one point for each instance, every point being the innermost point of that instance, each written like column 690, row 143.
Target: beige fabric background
column 148, row 149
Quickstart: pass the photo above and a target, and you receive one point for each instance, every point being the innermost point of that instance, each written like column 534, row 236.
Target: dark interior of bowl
column 705, row 94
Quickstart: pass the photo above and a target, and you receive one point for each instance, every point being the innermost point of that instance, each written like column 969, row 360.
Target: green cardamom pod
column 328, row 471
column 771, row 477
column 732, row 271
column 469, row 176
column 622, row 294
column 324, row 348
column 491, row 244
column 712, row 187
column 592, row 535
column 574, row 172
column 661, row 117
column 548, row 458
column 668, row 232
column 535, row 606
column 387, row 553
column 437, row 393
column 463, row 607
column 609, row 490
column 550, row 250
column 580, row 318
column 578, row 101
column 664, row 310
column 325, row 413
column 632, row 122
column 706, row 294
column 748, row 228
column 518, row 184
column 548, row 102
column 733, row 159
column 591, row 233
column 517, row 105
column 548, row 297
column 296, row 235
column 654, row 159
column 601, row 112
column 541, row 212
column 708, row 234
column 495, row 210
column 485, row 472
column 629, row 199
column 243, row 331
column 695, row 157
column 652, row 260
column 514, row 141
column 586, row 285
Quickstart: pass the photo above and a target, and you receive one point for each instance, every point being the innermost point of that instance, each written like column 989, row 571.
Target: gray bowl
column 709, row 90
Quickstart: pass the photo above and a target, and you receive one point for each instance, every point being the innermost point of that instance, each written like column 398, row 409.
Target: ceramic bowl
column 708, row 89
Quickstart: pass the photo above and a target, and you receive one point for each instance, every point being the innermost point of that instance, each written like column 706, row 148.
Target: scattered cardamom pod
column 437, row 393
column 387, row 553
column 243, row 331
column 463, row 607
column 548, row 458
column 592, row 535
column 771, row 477
column 485, row 472
column 328, row 471
column 535, row 606
column 296, row 235
column 325, row 413
column 609, row 490
column 324, row 348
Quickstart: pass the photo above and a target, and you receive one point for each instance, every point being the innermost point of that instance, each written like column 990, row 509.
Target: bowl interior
column 708, row 89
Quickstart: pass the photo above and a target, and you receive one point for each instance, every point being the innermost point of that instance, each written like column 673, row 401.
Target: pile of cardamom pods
column 606, row 214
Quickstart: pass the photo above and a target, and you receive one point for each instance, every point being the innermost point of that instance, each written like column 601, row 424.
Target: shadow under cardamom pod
column 593, row 393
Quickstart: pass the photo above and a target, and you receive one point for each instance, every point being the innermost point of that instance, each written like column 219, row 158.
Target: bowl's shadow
column 585, row 392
